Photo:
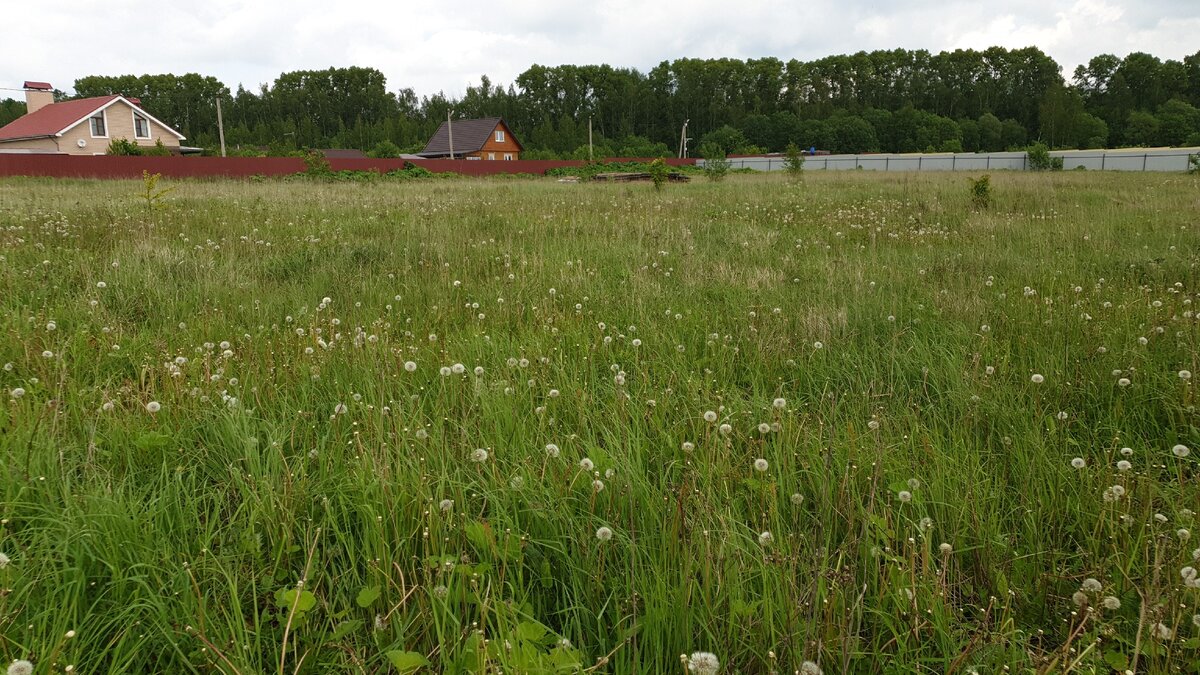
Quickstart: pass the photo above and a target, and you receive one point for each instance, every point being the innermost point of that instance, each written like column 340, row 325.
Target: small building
column 487, row 138
column 82, row 126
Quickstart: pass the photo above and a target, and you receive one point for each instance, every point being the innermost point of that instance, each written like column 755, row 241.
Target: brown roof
column 469, row 136
column 51, row 119
column 58, row 117
column 30, row 84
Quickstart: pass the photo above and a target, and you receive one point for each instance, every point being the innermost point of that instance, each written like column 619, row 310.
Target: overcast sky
column 432, row 46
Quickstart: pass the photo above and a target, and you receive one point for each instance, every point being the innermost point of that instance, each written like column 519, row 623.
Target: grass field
column 847, row 424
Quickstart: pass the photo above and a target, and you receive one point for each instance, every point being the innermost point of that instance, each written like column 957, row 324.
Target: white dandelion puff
column 797, row 499
column 703, row 663
column 810, row 668
column 23, row 667
column 1181, row 451
column 153, row 407
column 710, row 416
column 552, row 450
column 604, row 534
column 1111, row 602
column 17, row 392
column 1124, row 465
column 904, row 496
column 761, row 465
column 765, row 538
column 586, row 464
column 446, row 505
column 779, row 403
column 1091, row 585
column 1037, row 378
column 1078, row 463
column 479, row 455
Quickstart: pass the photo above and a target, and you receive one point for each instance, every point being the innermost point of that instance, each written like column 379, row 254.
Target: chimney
column 38, row 95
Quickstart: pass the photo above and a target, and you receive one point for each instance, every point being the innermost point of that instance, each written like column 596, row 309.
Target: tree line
column 890, row 100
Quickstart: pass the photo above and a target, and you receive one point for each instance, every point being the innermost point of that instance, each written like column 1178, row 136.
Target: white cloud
column 433, row 47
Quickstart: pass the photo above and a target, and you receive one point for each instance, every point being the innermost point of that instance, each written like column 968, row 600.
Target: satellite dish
column 81, row 143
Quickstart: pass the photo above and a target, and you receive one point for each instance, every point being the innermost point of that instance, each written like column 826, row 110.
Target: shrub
column 385, row 149
column 658, row 173
column 123, row 147
column 316, row 166
column 716, row 164
column 981, row 192
column 793, row 161
column 1194, row 164
column 1040, row 159
column 157, row 150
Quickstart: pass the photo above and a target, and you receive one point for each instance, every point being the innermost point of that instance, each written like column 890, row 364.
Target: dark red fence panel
column 110, row 166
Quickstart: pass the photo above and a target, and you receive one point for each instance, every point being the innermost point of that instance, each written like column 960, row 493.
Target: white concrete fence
column 1126, row 159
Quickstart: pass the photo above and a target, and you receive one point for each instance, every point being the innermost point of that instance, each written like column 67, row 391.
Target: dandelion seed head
column 725, row 429
column 764, row 428
column 586, row 464
column 1111, row 602
column 810, row 668
column 1078, row 463
column 904, row 496
column 710, row 416
column 1037, row 378
column 945, row 549
column 153, row 407
column 797, row 499
column 604, row 534
column 703, row 663
column 765, row 538
column 17, row 392
column 779, row 403
column 1091, row 585
column 761, row 465
column 1181, row 451
column 552, row 450
column 1124, row 465
column 23, row 667
column 479, row 455
column 410, row 366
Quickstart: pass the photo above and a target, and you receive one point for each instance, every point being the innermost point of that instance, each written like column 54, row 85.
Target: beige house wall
column 118, row 124
column 39, row 144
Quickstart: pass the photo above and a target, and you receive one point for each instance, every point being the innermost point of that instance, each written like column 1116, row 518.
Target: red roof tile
column 52, row 119
column 30, row 84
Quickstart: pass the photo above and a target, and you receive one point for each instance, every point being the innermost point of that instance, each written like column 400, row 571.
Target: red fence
column 109, row 166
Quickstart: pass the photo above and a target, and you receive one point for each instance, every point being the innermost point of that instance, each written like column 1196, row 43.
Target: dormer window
column 141, row 127
column 99, row 130
column 499, row 136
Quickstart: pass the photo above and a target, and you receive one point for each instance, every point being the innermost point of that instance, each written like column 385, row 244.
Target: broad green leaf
column 303, row 601
column 345, row 628
column 531, row 631
column 407, row 662
column 1116, row 660
column 367, row 596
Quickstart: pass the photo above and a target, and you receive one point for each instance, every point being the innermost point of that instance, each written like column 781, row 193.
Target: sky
column 435, row 46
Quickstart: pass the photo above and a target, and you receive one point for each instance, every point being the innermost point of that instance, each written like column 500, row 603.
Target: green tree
column 1141, row 129
column 716, row 164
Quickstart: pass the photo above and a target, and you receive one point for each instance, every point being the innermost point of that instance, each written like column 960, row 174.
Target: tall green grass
column 302, row 503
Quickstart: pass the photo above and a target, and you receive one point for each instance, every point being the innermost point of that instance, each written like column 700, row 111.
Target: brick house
column 82, row 126
column 487, row 138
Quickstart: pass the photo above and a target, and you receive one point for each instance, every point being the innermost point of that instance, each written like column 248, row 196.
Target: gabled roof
column 469, row 136
column 57, row 118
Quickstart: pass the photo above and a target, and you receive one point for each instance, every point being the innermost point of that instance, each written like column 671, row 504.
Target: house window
column 141, row 127
column 491, row 155
column 98, row 128
column 499, row 136
column 508, row 156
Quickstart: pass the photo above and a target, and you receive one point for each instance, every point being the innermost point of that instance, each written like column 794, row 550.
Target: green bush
column 316, row 166
column 1040, row 159
column 385, row 149
column 1194, row 164
column 716, row 164
column 793, row 161
column 156, row 150
column 123, row 147
column 981, row 192
column 659, row 173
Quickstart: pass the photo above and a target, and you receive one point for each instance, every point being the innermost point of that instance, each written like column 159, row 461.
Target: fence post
column 1144, row 156
column 887, row 164
column 1103, row 156
column 953, row 161
column 919, row 158
column 988, row 165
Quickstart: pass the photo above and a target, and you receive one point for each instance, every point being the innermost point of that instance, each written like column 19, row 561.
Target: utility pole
column 450, row 131
column 683, row 139
column 220, row 126
column 590, row 158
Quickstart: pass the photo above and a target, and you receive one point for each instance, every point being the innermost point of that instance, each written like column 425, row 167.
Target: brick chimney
column 38, row 95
